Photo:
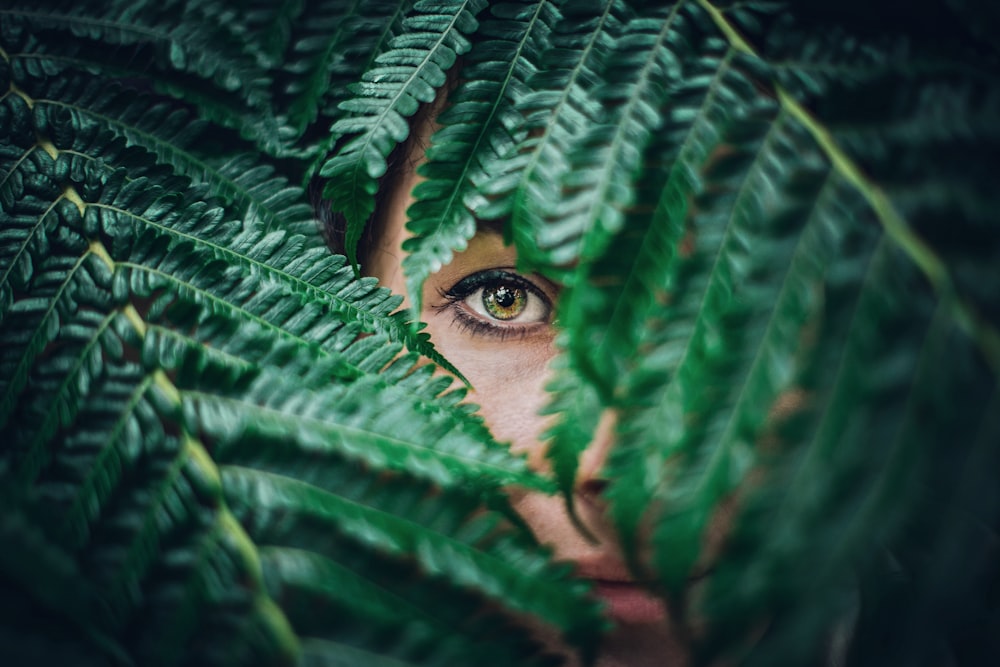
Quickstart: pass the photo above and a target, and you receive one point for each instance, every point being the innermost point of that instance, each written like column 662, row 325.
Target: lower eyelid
column 476, row 325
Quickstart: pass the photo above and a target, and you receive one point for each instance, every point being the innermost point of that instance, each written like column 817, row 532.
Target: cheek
column 511, row 412
column 508, row 382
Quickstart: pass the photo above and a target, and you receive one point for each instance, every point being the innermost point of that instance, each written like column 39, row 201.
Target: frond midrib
column 321, row 425
column 541, row 141
column 701, row 116
column 896, row 226
column 318, row 293
column 611, row 165
column 481, row 136
column 27, row 241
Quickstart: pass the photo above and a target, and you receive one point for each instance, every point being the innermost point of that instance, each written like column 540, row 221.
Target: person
column 495, row 325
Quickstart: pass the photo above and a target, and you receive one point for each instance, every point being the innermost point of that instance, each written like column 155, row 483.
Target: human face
column 495, row 325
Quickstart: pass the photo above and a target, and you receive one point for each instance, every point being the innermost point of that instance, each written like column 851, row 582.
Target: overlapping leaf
column 409, row 73
column 144, row 323
column 776, row 222
column 479, row 128
column 558, row 108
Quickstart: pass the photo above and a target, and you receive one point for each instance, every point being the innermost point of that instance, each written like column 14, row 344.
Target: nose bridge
column 593, row 458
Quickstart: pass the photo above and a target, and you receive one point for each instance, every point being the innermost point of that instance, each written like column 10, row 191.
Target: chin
column 643, row 645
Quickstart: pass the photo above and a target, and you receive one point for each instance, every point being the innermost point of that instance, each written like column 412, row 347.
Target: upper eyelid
column 502, row 273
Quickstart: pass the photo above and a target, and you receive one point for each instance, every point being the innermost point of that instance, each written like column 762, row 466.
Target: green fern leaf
column 33, row 323
column 555, row 115
column 596, row 191
column 437, row 450
column 604, row 161
column 775, row 224
column 409, row 72
column 495, row 577
column 372, row 29
column 81, row 112
column 51, row 42
column 480, row 126
column 334, row 28
column 826, row 270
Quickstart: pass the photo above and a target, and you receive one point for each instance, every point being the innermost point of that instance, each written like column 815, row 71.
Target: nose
column 590, row 480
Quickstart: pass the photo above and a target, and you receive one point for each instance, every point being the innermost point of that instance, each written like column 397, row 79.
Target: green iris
column 504, row 302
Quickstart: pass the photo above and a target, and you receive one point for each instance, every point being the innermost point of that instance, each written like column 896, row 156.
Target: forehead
column 485, row 250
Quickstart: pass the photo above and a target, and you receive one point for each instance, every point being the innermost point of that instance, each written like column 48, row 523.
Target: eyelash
column 476, row 324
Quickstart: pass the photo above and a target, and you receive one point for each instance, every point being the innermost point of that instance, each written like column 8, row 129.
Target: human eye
column 498, row 303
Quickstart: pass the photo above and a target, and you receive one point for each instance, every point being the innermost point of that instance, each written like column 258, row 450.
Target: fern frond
column 370, row 39
column 66, row 379
column 334, row 423
column 263, row 27
column 408, row 73
column 113, row 127
column 699, row 112
column 272, row 261
column 597, row 191
column 308, row 580
column 888, row 451
column 335, row 32
column 775, row 227
column 748, row 385
column 707, row 409
column 178, row 45
column 31, row 324
column 103, row 449
column 83, row 115
column 159, row 317
column 608, row 302
column 480, row 126
column 556, row 112
column 208, row 587
column 30, row 225
column 897, row 226
column 507, row 577
column 256, row 191
column 598, row 185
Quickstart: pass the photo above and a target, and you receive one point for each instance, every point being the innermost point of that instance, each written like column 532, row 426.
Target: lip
column 627, row 600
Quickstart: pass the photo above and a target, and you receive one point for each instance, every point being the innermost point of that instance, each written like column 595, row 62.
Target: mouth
column 628, row 601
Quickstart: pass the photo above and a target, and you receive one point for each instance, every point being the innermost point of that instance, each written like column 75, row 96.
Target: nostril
column 592, row 491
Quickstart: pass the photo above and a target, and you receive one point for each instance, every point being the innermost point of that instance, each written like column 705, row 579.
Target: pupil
column 504, row 297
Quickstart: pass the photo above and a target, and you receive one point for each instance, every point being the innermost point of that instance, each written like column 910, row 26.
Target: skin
column 507, row 363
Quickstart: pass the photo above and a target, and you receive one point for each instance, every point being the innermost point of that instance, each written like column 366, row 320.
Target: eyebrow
column 496, row 228
column 490, row 226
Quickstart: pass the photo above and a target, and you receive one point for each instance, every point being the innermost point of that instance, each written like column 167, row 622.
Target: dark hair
column 333, row 224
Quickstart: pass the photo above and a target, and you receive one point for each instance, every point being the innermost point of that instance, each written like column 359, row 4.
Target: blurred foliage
column 776, row 226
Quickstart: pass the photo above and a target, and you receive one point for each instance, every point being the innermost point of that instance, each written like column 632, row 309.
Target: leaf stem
column 894, row 224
